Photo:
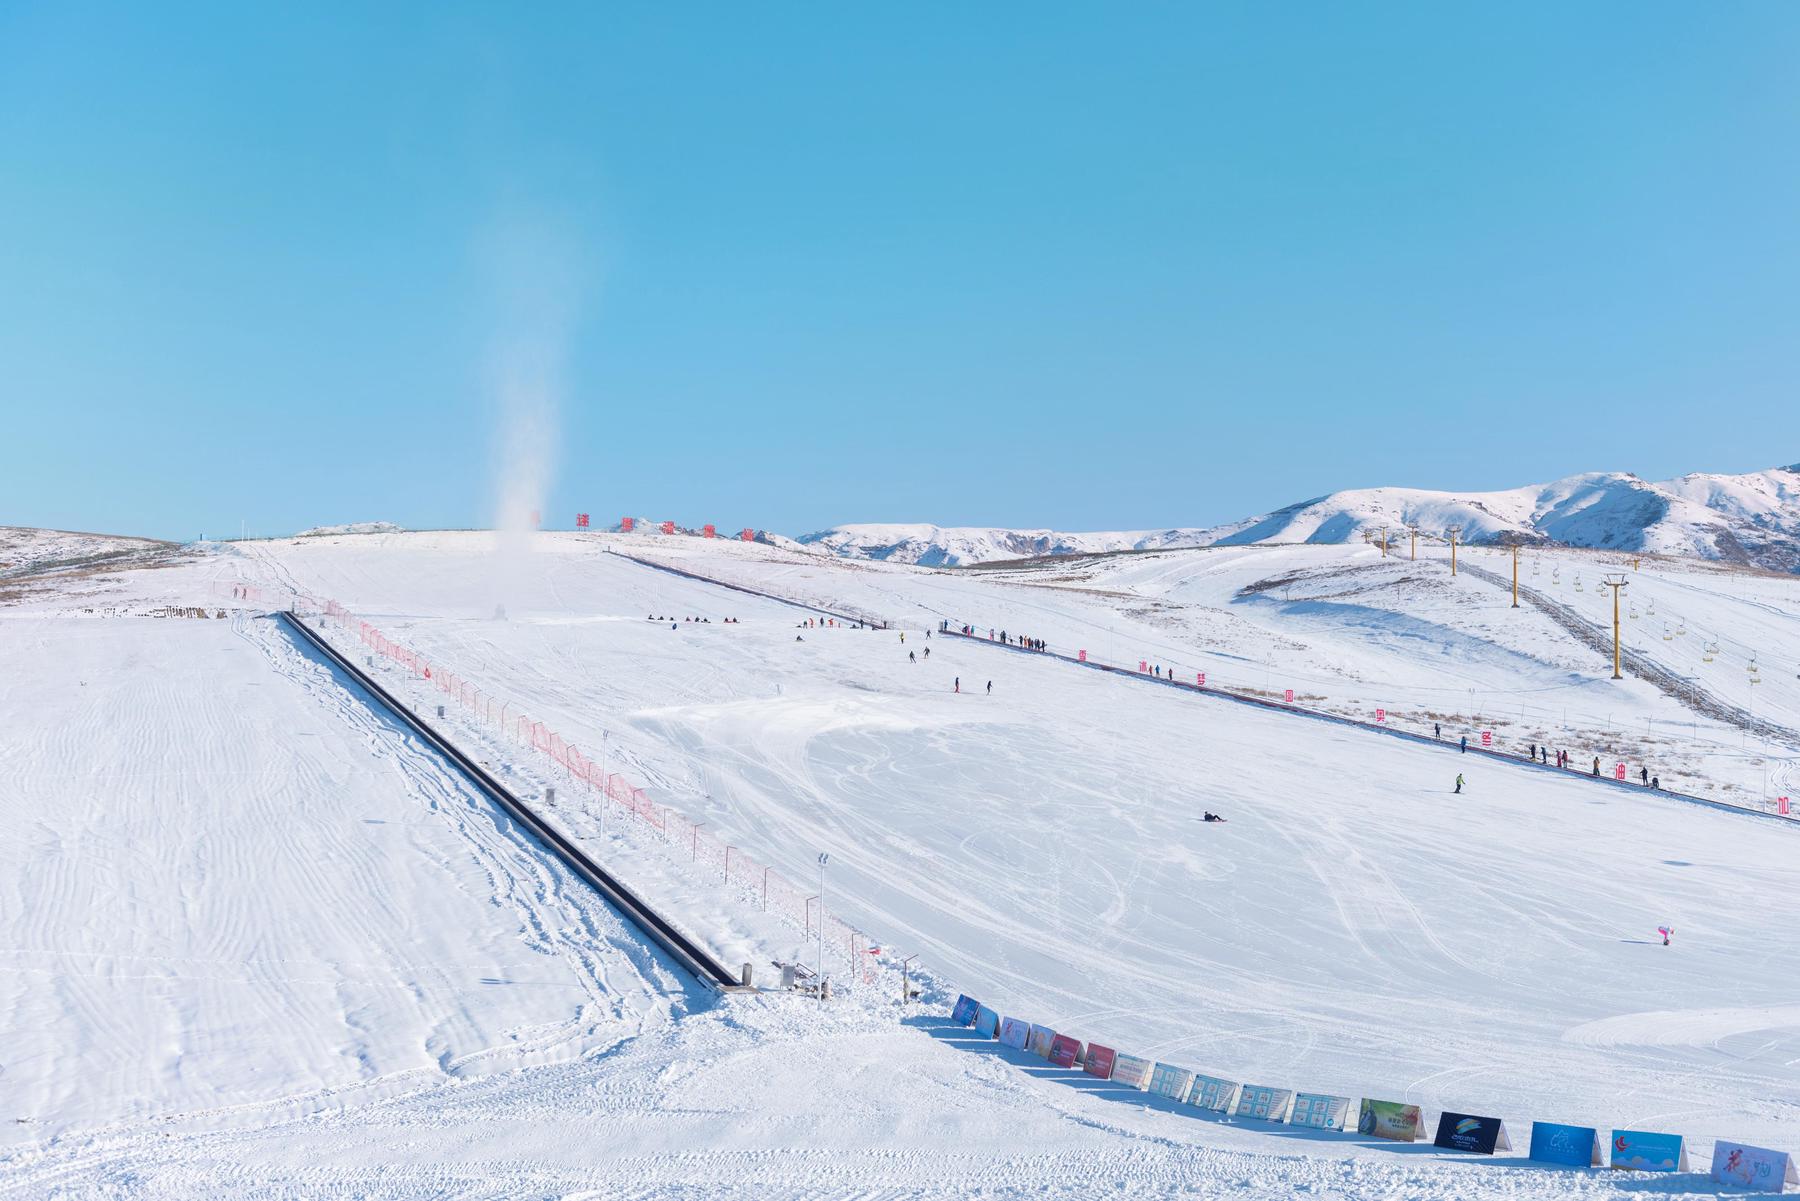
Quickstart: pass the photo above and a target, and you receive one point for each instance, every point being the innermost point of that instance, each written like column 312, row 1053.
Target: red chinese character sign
column 628, row 524
column 1200, row 679
column 1081, row 656
column 708, row 531
column 581, row 521
column 1781, row 806
column 1288, row 695
column 747, row 534
column 1487, row 738
column 1619, row 772
column 668, row 527
column 1381, row 715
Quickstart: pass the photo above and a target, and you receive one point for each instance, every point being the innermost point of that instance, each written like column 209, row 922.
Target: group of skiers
column 726, row 621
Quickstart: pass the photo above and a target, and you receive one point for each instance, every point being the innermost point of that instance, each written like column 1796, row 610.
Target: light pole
column 1414, row 531
column 1453, row 531
column 823, row 860
column 1616, row 581
column 1515, row 546
column 605, row 765
column 1384, row 542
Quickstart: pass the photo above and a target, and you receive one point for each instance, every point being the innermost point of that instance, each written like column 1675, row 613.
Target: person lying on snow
column 1212, row 817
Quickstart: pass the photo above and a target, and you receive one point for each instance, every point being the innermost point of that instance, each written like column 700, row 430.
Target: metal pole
column 605, row 764
column 823, row 860
column 1515, row 603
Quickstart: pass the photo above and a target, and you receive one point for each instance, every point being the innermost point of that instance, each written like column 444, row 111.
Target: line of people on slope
column 724, row 621
column 1541, row 754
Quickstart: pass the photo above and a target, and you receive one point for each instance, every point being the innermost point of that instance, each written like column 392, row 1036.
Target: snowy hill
column 955, row 546
column 1753, row 518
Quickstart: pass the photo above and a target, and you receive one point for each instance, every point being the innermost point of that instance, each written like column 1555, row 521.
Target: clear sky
column 1090, row 267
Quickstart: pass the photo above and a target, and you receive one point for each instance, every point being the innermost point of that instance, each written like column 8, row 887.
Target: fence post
column 694, row 852
column 765, row 890
column 727, row 865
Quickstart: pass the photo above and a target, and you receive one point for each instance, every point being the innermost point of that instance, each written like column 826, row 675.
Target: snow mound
column 355, row 527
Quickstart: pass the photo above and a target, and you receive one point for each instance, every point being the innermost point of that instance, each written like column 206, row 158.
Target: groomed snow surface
column 259, row 941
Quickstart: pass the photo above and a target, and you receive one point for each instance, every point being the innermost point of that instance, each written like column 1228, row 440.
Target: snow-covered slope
column 955, row 546
column 1752, row 518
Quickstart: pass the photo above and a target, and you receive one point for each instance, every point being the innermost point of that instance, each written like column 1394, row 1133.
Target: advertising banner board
column 966, row 1009
column 1064, row 1051
column 1167, row 1080
column 1131, row 1071
column 1645, row 1151
column 1388, row 1119
column 1099, row 1061
column 1040, row 1040
column 987, row 1022
column 1210, row 1092
column 1014, row 1033
column 1319, row 1111
column 1475, row 1135
column 1571, row 1146
column 1755, row 1168
column 1268, row 1104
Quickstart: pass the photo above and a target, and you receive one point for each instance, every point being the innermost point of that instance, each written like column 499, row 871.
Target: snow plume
column 535, row 264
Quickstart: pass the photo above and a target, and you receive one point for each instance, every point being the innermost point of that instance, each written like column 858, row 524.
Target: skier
column 990, row 691
column 928, row 652
column 911, row 657
column 1465, row 744
column 1533, row 755
column 1596, row 767
column 902, row 637
column 1666, row 932
column 1212, row 817
column 1437, row 731
column 1459, row 783
column 797, row 638
column 1644, row 774
column 958, row 685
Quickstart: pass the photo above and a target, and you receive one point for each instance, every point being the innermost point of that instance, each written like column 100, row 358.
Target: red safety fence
column 708, row 854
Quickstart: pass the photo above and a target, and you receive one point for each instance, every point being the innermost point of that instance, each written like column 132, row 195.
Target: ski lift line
column 1277, row 706
column 683, row 951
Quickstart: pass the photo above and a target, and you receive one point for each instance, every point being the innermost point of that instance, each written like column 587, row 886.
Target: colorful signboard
column 1781, row 805
column 628, row 524
column 987, row 1022
column 1487, row 738
column 1014, row 1033
column 1081, row 656
column 1167, row 1080
column 966, row 1009
column 1389, row 1120
column 668, row 527
column 1619, row 771
column 1039, row 1042
column 1754, row 1168
column 1645, row 1151
column 1287, row 695
column 1065, row 1051
column 1472, row 1134
column 1131, row 1071
column 1210, row 1092
column 581, row 521
column 1099, row 1061
column 1268, row 1104
column 1200, row 679
column 1571, row 1146
column 1381, row 715
column 1319, row 1111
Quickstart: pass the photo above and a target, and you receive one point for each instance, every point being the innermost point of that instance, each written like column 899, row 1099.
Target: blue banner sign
column 966, row 1008
column 1572, row 1146
column 1644, row 1151
column 987, row 1022
column 1319, row 1111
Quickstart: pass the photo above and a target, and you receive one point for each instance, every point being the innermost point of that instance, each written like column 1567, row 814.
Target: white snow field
column 255, row 940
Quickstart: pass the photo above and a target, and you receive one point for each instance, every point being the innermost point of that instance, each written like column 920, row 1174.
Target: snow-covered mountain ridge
column 1752, row 518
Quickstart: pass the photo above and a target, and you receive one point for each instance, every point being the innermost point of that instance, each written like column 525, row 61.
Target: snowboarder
column 1655, row 783
column 797, row 638
column 1212, row 817
column 1665, row 931
column 1459, row 783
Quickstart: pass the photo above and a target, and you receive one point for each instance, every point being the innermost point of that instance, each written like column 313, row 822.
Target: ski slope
column 259, row 942
column 1352, row 927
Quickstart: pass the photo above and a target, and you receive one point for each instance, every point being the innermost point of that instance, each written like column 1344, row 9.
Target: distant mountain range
column 1752, row 518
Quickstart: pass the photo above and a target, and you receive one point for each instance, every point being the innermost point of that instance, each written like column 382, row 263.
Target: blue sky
column 1090, row 267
